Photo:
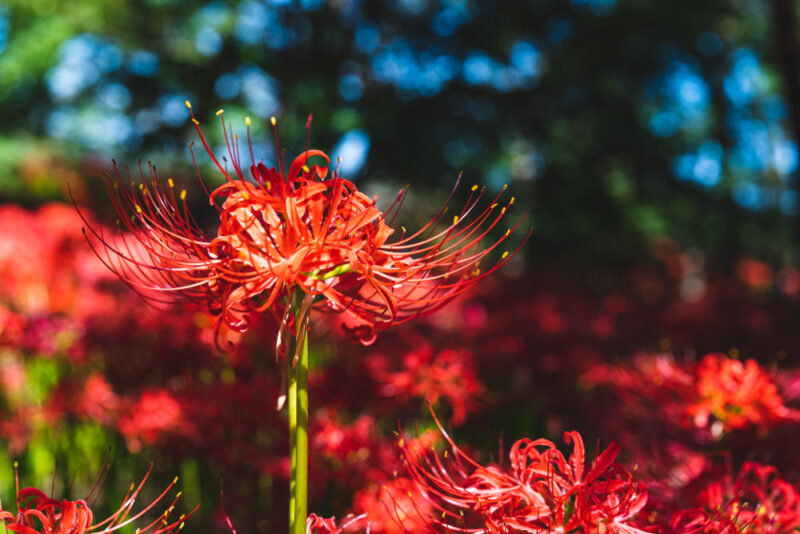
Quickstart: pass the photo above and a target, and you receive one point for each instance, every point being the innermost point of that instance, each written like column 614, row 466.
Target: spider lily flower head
column 736, row 394
column 39, row 514
column 303, row 227
column 542, row 491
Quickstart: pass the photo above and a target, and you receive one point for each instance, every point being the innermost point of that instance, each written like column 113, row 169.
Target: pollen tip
column 403, row 228
column 306, row 169
column 505, row 186
column 508, row 232
column 195, row 122
column 339, row 159
column 175, row 480
column 138, row 208
column 511, row 202
column 505, row 255
column 178, row 495
column 502, row 211
column 247, row 121
column 16, row 464
column 474, row 187
column 220, row 112
column 272, row 120
column 188, row 104
column 183, row 194
column 455, row 220
column 170, row 182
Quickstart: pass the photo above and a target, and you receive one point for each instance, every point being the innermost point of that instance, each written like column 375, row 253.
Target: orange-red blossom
column 542, row 491
column 39, row 514
column 305, row 228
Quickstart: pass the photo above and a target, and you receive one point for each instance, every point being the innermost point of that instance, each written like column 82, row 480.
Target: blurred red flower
column 717, row 394
column 423, row 374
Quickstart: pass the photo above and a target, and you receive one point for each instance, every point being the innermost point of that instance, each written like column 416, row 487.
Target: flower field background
column 655, row 306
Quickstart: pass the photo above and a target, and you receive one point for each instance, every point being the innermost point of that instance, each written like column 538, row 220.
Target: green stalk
column 301, row 440
column 298, row 414
column 292, row 408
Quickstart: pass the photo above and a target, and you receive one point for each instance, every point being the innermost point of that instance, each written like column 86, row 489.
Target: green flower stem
column 298, row 415
column 301, row 439
column 292, row 408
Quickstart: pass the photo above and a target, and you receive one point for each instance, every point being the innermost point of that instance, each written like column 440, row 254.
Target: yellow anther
column 132, row 486
column 507, row 232
column 502, row 211
column 16, row 464
column 403, row 228
column 505, row 186
column 445, row 454
column 141, row 187
column 384, row 488
column 170, row 182
column 269, row 186
column 339, row 159
column 444, row 514
column 138, row 208
column 455, row 220
column 183, row 194
column 504, row 256
column 511, row 202
column 195, row 121
column 493, row 206
column 175, row 480
column 247, row 121
column 178, row 495
column 402, row 443
column 474, row 187
column 306, row 169
column 220, row 112
column 180, row 527
column 188, row 104
column 272, row 120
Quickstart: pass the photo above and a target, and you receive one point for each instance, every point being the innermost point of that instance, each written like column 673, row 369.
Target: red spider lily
column 543, row 491
column 39, row 514
column 757, row 500
column 303, row 227
column 422, row 373
column 737, row 394
column 718, row 394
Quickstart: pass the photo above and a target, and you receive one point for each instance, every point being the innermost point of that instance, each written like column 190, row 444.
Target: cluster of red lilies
column 692, row 444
